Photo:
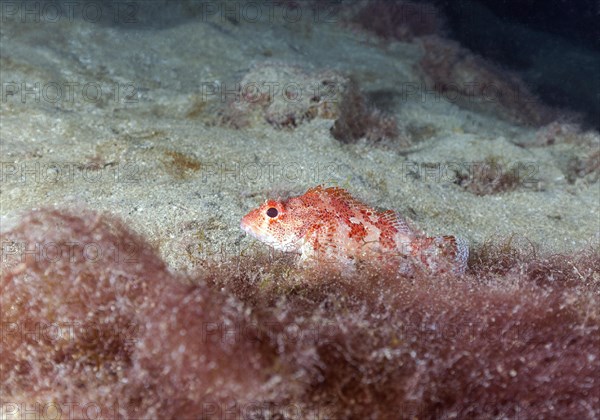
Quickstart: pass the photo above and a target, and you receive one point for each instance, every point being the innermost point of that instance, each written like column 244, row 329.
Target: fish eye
column 272, row 212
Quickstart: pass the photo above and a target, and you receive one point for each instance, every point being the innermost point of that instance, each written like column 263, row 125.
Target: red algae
column 358, row 118
column 91, row 316
column 517, row 335
column 478, row 346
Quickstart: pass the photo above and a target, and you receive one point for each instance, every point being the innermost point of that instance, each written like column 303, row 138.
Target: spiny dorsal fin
column 336, row 193
column 314, row 190
column 389, row 217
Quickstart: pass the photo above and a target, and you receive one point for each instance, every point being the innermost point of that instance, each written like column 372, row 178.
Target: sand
column 151, row 151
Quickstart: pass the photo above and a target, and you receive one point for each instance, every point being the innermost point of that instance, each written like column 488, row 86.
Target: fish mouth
column 245, row 227
column 266, row 239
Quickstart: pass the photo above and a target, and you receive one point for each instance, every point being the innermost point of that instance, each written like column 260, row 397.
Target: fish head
column 276, row 224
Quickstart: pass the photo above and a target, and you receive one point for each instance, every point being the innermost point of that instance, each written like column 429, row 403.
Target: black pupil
column 272, row 212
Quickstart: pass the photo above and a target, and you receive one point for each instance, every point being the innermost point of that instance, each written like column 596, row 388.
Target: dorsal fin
column 314, row 190
column 388, row 217
column 336, row 193
column 345, row 197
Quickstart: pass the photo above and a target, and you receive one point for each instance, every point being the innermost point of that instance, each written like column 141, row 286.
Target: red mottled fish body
column 329, row 225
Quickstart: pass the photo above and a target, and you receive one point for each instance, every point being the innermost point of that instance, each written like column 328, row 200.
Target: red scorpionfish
column 329, row 225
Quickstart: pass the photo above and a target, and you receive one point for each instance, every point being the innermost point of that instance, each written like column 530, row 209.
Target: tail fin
column 443, row 253
column 460, row 253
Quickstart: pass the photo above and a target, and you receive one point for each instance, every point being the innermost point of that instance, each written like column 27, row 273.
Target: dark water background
column 554, row 45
